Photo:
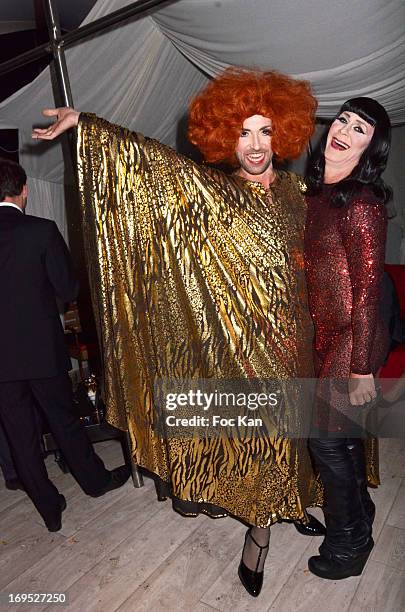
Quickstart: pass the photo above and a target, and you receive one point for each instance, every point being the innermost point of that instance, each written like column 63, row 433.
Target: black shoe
column 312, row 528
column 14, row 484
column 56, row 525
column 251, row 580
column 337, row 567
column 118, row 477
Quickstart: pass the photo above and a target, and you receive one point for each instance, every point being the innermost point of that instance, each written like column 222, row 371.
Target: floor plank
column 390, row 549
column 23, row 541
column 381, row 589
column 114, row 579
column 9, row 499
column 189, row 572
column 67, row 563
column 396, row 517
column 304, row 592
column 392, row 457
column 202, row 607
column 384, row 497
column 128, row 552
column 286, row 547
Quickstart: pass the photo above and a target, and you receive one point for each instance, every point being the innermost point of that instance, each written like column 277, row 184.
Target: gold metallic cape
column 196, row 274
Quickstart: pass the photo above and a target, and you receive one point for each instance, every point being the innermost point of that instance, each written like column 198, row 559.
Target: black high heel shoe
column 252, row 580
column 313, row 527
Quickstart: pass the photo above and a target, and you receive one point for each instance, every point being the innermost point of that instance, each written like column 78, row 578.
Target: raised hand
column 66, row 118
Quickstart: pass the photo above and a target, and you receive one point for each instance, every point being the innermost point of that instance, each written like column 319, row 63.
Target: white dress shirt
column 11, row 204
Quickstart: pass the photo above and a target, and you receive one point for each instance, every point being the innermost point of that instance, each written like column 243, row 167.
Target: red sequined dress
column 344, row 257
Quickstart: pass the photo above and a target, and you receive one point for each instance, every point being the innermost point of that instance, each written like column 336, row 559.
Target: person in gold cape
column 199, row 275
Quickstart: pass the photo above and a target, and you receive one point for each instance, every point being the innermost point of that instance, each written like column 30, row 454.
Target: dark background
column 29, row 14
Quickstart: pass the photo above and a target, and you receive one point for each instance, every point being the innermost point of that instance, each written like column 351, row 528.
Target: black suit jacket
column 35, row 268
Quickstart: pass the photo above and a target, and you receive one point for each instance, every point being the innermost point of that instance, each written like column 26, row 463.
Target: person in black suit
column 35, row 268
column 7, row 464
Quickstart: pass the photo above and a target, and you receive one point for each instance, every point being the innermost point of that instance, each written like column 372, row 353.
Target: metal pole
column 137, row 477
column 140, row 8
column 63, row 97
column 137, row 8
column 59, row 60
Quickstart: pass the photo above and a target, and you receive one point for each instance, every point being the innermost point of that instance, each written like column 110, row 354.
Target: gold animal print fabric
column 197, row 275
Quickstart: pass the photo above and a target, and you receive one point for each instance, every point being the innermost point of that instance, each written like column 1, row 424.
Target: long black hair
column 371, row 165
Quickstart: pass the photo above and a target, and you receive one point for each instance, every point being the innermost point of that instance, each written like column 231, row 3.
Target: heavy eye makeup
column 358, row 128
column 266, row 131
column 342, row 119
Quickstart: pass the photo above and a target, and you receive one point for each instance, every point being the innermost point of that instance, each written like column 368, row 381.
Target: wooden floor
column 128, row 552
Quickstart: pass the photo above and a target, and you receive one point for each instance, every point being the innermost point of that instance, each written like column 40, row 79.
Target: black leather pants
column 358, row 456
column 348, row 509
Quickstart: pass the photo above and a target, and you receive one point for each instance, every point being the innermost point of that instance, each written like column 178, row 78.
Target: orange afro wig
column 218, row 112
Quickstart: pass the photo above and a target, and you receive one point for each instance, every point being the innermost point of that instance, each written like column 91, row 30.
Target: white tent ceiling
column 345, row 48
column 341, row 47
column 143, row 73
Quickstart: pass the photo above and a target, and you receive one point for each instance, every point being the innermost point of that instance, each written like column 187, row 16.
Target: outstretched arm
column 66, row 118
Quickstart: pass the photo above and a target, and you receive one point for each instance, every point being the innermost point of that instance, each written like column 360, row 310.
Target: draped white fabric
column 143, row 73
column 41, row 198
column 133, row 75
column 344, row 48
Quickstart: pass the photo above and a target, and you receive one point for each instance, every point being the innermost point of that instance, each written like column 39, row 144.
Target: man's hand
column 361, row 389
column 66, row 118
